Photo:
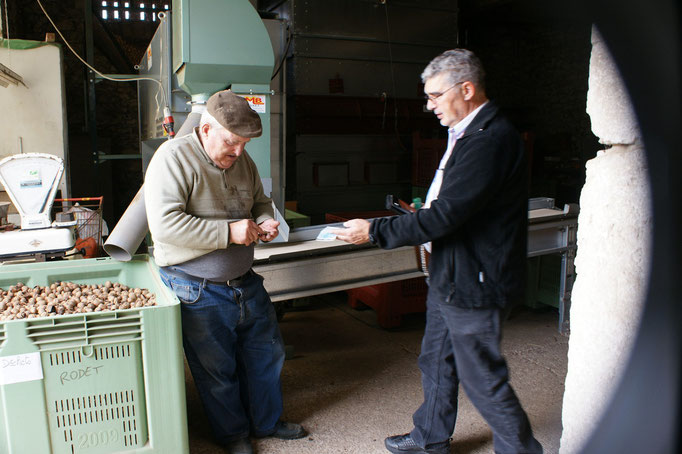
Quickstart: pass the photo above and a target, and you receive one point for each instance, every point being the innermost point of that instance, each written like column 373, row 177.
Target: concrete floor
column 351, row 383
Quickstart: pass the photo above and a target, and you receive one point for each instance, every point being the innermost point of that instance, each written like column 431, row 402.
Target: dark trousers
column 463, row 345
column 235, row 352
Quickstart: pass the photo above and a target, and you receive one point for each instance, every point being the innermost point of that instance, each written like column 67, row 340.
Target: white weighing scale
column 31, row 181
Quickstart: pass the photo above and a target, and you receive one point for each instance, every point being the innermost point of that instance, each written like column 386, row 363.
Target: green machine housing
column 218, row 44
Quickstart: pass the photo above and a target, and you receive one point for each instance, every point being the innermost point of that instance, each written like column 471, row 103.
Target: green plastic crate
column 112, row 382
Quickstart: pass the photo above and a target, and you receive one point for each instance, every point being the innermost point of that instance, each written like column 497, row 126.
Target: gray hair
column 207, row 118
column 459, row 64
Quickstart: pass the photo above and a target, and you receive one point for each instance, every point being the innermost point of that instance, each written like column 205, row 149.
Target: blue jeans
column 463, row 345
column 235, row 352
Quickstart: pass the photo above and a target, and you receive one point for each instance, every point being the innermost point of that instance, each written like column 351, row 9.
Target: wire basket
column 87, row 211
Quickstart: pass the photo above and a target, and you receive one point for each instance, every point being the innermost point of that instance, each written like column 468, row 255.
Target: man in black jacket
column 474, row 222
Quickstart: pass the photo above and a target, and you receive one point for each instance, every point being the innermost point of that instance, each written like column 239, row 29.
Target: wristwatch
column 372, row 239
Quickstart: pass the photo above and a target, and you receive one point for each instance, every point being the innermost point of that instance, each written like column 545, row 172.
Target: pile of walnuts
column 64, row 298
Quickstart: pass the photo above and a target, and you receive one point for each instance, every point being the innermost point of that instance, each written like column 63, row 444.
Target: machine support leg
column 567, row 279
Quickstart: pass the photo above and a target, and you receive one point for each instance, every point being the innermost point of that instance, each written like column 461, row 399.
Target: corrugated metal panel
column 374, row 48
column 408, row 22
column 348, row 172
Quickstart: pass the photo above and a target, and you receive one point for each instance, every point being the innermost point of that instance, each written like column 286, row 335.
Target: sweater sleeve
column 168, row 185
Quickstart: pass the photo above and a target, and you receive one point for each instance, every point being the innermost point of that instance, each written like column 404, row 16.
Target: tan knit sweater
column 190, row 201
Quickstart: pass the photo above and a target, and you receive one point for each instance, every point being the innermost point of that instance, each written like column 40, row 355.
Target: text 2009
column 93, row 439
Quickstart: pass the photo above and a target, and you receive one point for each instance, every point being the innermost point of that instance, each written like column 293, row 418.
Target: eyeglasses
column 434, row 96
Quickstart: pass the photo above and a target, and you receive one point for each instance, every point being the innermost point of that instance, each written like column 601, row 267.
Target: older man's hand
column 356, row 231
column 269, row 227
column 244, row 232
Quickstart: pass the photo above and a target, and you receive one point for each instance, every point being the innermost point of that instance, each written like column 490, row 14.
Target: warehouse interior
column 347, row 126
column 541, row 52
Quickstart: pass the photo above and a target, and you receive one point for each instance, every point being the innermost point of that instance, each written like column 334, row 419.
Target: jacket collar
column 482, row 119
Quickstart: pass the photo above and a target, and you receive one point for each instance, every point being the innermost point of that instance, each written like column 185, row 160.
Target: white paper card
column 326, row 234
column 20, row 368
column 283, row 228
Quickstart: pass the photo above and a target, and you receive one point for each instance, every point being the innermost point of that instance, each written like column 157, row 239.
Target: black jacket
column 478, row 223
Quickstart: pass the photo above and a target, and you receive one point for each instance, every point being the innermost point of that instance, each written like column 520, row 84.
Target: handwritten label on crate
column 20, row 368
column 77, row 374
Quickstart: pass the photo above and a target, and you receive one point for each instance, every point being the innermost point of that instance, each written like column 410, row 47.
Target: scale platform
column 31, row 181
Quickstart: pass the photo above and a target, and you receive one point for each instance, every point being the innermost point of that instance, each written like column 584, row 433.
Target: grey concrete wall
column 612, row 262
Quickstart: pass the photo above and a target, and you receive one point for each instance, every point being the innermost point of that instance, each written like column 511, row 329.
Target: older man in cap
column 206, row 210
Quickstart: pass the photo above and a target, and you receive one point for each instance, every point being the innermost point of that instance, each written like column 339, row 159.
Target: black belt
column 236, row 282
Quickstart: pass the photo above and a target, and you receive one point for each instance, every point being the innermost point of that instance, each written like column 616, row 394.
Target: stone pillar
column 612, row 262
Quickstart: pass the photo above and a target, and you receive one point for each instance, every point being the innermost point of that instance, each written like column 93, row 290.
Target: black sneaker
column 288, row 431
column 402, row 444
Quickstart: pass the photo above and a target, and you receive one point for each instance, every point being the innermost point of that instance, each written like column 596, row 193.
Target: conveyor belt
column 333, row 268
column 304, row 266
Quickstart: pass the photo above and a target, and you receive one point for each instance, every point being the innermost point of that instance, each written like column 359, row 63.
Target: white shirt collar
column 459, row 128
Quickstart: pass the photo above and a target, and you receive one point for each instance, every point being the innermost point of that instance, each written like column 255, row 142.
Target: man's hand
column 357, row 231
column 244, row 232
column 269, row 228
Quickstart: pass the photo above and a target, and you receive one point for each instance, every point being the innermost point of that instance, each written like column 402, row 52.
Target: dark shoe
column 240, row 446
column 401, row 444
column 288, row 431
